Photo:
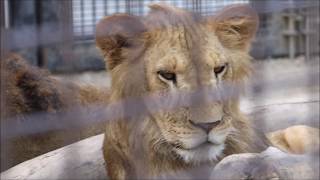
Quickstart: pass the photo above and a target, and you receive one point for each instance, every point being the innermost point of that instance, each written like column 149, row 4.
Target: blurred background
column 59, row 35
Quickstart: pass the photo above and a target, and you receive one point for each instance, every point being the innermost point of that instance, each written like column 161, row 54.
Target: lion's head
column 172, row 50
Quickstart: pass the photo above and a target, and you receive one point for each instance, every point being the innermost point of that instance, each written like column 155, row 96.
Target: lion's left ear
column 235, row 26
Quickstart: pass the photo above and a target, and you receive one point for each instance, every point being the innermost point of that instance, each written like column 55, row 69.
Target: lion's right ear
column 114, row 33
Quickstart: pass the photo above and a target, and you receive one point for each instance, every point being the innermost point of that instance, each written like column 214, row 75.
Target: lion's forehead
column 172, row 50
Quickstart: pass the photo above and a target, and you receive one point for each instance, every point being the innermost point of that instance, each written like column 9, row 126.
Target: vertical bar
column 307, row 35
column 94, row 15
column 301, row 47
column 104, row 7
column 141, row 3
column 117, row 6
column 64, row 12
column 66, row 25
column 128, row 6
column 82, row 17
column 312, row 46
column 193, row 5
column 5, row 9
column 4, row 40
column 39, row 52
column 292, row 41
column 4, row 27
column 315, row 38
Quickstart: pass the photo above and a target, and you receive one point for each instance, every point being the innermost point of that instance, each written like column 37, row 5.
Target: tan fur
column 297, row 139
column 27, row 90
column 174, row 40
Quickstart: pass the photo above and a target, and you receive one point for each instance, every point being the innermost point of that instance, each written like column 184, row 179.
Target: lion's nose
column 207, row 126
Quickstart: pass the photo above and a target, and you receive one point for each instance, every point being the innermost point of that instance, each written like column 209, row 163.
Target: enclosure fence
column 86, row 13
column 76, row 23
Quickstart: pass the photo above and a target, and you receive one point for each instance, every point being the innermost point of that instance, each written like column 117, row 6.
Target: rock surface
column 81, row 160
column 272, row 163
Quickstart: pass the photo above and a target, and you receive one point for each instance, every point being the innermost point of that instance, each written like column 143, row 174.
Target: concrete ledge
column 81, row 160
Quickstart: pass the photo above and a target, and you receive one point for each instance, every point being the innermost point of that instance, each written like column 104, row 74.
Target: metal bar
column 4, row 50
column 82, row 17
column 65, row 24
column 292, row 40
column 199, row 3
column 6, row 11
column 141, row 3
column 128, row 6
column 105, row 11
column 94, row 16
column 40, row 56
column 117, row 6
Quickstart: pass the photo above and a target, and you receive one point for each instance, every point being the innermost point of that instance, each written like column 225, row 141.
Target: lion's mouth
column 205, row 144
column 204, row 152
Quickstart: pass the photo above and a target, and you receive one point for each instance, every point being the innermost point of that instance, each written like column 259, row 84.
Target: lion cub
column 171, row 50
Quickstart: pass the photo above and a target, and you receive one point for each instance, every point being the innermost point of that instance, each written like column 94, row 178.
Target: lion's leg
column 297, row 139
column 28, row 90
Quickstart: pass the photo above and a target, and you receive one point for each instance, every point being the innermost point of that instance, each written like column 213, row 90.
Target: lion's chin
column 203, row 153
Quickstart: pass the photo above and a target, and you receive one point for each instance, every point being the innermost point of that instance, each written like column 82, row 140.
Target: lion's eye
column 219, row 69
column 167, row 75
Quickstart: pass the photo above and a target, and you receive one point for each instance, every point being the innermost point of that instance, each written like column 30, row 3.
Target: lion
column 172, row 50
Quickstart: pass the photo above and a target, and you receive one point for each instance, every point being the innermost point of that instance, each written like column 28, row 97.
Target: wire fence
column 87, row 13
column 301, row 36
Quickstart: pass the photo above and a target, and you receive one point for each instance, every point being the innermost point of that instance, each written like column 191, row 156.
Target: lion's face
column 196, row 132
column 182, row 53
